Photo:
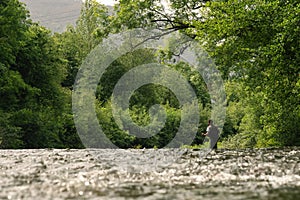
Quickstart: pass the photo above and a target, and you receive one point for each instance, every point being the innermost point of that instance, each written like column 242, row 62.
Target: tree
column 254, row 44
column 33, row 103
column 257, row 43
column 77, row 42
column 12, row 86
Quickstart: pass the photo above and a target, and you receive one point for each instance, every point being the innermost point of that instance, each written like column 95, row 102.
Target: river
column 138, row 174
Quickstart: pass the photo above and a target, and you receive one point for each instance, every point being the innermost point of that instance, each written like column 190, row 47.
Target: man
column 213, row 133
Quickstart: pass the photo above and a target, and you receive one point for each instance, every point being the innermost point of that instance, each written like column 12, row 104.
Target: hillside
column 54, row 14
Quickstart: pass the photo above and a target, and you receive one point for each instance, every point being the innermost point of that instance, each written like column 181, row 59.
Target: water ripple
column 125, row 174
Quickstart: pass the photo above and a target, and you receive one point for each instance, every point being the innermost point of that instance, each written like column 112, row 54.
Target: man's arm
column 207, row 132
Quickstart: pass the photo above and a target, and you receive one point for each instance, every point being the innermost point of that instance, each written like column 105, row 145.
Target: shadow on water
column 144, row 174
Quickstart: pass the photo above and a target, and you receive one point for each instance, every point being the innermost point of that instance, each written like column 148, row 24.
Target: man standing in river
column 213, row 133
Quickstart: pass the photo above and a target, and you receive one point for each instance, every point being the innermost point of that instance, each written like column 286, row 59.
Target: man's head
column 210, row 122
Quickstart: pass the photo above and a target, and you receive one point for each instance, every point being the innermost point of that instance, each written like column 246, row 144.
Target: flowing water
column 149, row 174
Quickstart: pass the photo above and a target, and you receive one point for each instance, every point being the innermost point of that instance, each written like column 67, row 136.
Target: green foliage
column 14, row 23
column 33, row 103
column 255, row 45
column 77, row 42
column 9, row 134
column 117, row 136
column 141, row 101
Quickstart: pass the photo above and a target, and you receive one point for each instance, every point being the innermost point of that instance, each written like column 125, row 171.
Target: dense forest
column 254, row 43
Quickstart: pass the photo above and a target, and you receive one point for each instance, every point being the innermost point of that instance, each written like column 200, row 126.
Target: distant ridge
column 54, row 14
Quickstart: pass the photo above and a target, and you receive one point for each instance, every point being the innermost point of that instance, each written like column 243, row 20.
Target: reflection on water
column 142, row 174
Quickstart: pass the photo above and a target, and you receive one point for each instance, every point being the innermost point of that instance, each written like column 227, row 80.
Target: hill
column 54, row 14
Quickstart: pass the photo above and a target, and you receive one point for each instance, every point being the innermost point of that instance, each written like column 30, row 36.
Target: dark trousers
column 213, row 143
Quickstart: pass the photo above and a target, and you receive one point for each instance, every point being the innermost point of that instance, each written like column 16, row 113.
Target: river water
column 146, row 174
